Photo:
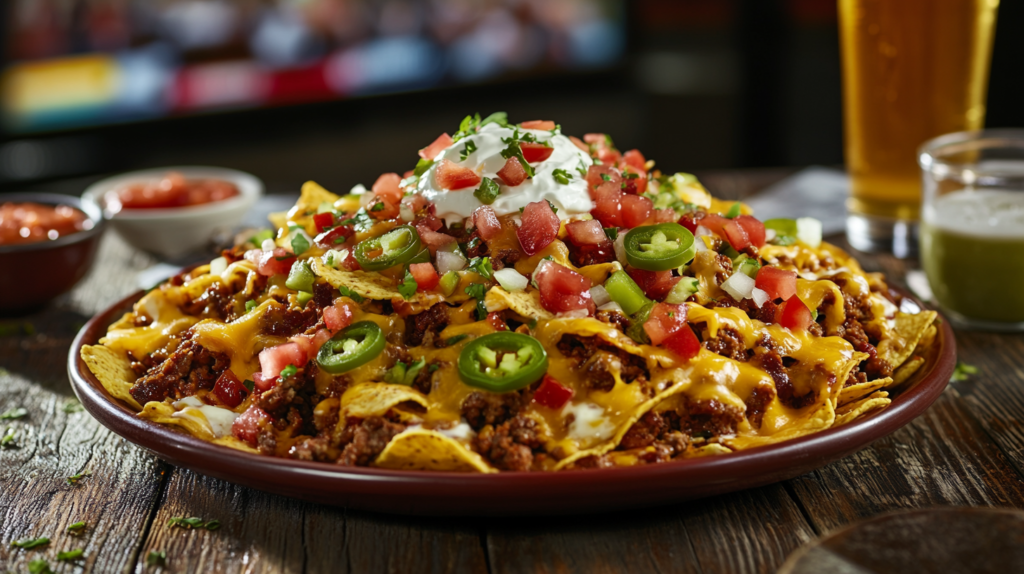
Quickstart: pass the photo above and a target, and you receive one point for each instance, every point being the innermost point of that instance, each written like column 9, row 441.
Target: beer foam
column 990, row 213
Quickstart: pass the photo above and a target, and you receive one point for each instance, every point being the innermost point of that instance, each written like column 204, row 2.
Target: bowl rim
column 91, row 211
column 751, row 467
column 250, row 188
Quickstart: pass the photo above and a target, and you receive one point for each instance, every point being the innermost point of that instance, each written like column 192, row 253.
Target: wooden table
column 968, row 449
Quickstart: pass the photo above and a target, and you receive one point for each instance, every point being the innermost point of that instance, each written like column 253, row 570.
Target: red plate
column 508, row 493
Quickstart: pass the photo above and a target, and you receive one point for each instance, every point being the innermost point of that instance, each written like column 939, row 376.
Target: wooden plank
column 261, row 532
column 35, row 500
column 942, row 458
column 749, row 531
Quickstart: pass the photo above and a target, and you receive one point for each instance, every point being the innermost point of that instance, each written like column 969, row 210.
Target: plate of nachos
column 525, row 322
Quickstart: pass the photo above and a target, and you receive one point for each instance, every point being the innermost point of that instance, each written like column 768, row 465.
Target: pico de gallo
column 518, row 300
column 172, row 190
column 34, row 222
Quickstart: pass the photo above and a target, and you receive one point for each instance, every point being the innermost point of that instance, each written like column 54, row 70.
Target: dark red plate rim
column 509, row 493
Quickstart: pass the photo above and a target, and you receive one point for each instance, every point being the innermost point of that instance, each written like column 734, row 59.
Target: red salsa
column 32, row 222
column 173, row 190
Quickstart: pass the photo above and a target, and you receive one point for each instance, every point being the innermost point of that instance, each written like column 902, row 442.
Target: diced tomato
column 387, row 186
column 587, row 232
column 433, row 239
column 261, row 383
column 599, row 174
column 635, row 158
column 562, row 289
column 777, row 283
column 534, row 152
column 596, row 139
column 439, row 145
column 229, row 389
column 655, row 284
column 337, row 316
column 545, row 125
column 332, row 238
column 247, row 425
column 736, row 235
column 349, row 262
column 408, row 173
column 714, row 223
column 425, row 276
column 635, row 210
column 608, row 212
column 305, row 344
column 452, row 176
column 583, row 255
column 539, row 227
column 430, row 221
column 689, row 222
column 793, row 315
column 665, row 319
column 552, row 394
column 512, row 173
column 683, row 343
column 579, row 143
column 753, row 227
column 323, row 221
column 486, row 222
column 383, row 208
column 274, row 262
column 608, row 155
column 416, row 202
column 274, row 359
column 664, row 215
column 633, row 185
column 321, row 337
column 495, row 321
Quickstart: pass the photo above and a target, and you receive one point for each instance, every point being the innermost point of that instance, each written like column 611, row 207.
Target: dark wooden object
column 968, row 449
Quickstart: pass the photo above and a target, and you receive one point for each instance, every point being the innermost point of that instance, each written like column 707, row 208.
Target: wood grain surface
column 967, row 450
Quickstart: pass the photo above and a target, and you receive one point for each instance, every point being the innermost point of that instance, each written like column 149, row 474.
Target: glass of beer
column 912, row 70
column 972, row 227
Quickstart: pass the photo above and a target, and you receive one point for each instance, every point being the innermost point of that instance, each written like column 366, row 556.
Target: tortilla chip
column 524, row 303
column 927, row 339
column 163, row 413
column 374, row 399
column 820, row 419
column 599, row 272
column 370, row 284
column 712, row 449
column 311, row 196
column 688, row 189
column 860, row 390
column 906, row 334
column 852, row 411
column 114, row 371
column 422, row 449
column 907, row 370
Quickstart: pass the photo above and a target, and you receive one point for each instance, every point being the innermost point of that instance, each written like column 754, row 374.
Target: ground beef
column 503, row 258
column 707, row 418
column 287, row 321
column 364, row 439
column 323, row 295
column 654, row 429
column 482, row 408
column 424, row 381
column 598, row 361
column 475, row 247
column 298, row 390
column 422, row 328
column 757, row 402
column 313, row 448
column 620, row 321
column 856, row 376
column 728, row 343
column 185, row 372
column 510, row 445
column 772, row 363
column 858, row 309
column 644, row 432
column 724, row 265
column 266, row 441
column 215, row 303
column 583, row 255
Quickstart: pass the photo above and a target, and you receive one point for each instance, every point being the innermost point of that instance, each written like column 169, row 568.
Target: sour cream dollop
column 571, row 198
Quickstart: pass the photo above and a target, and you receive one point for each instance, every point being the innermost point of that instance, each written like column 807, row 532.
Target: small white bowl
column 173, row 232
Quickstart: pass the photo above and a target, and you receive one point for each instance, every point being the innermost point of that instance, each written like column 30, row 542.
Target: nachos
column 519, row 301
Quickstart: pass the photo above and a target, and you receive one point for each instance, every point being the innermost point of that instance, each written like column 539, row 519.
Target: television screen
column 76, row 63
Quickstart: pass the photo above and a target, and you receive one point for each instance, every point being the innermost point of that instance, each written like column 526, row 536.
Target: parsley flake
column 15, row 413
column 72, row 406
column 962, row 372
column 156, row 558
column 488, row 191
column 8, row 439
column 70, row 555
column 452, row 341
column 249, row 306
column 408, row 286
column 466, row 151
column 289, row 371
column 606, row 177
column 76, row 527
column 562, row 176
column 249, row 385
column 73, row 480
column 552, row 206
column 190, row 523
column 346, row 292
column 478, row 291
column 612, row 232
column 30, row 543
column 513, row 150
column 39, row 566
column 299, row 244
column 482, row 266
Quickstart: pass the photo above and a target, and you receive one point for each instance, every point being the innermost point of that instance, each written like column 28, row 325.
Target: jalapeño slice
column 352, row 347
column 659, row 247
column 502, row 362
column 395, row 247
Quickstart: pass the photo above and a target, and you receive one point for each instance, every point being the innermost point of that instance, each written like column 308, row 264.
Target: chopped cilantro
column 482, row 266
column 734, row 211
column 299, row 244
column 500, row 118
column 434, row 366
column 478, row 291
column 250, row 305
column 452, row 341
column 30, row 543
column 15, row 413
column 612, row 232
column 562, row 176
column 513, row 150
column 552, row 206
column 76, row 527
column 249, row 385
column 346, row 292
column 408, row 287
column 606, row 177
column 261, row 236
column 73, row 480
column 72, row 406
column 962, row 372
column 379, row 206
column 190, row 523
column 402, row 374
column 471, row 244
column 488, row 191
column 156, row 558
column 289, row 371
column 70, row 555
column 582, row 169
column 466, row 151
column 422, row 166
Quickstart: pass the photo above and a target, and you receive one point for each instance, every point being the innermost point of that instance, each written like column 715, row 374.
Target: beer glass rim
column 931, row 152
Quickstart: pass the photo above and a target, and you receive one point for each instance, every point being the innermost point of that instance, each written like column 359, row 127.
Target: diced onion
column 703, row 232
column 600, row 295
column 449, row 261
column 808, row 230
column 612, row 306
column 700, row 246
column 268, row 245
column 218, row 265
column 739, row 286
column 620, row 248
column 405, row 210
column 760, row 297
column 511, row 280
column 770, row 234
column 358, row 189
